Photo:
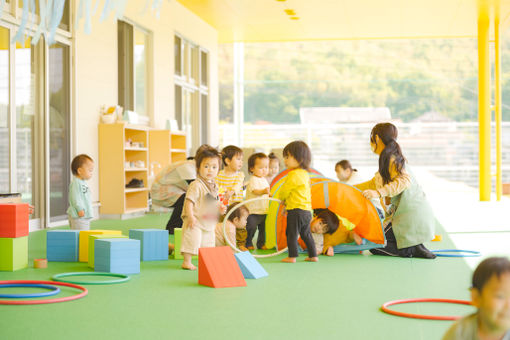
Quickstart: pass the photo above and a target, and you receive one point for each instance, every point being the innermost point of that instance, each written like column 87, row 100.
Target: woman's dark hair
column 239, row 211
column 253, row 159
column 206, row 151
column 345, row 164
column 301, row 153
column 388, row 134
column 487, row 268
column 78, row 162
column 329, row 218
column 230, row 152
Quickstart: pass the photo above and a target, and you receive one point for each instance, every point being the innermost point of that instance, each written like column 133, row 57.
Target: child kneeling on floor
column 235, row 228
column 490, row 293
column 202, row 207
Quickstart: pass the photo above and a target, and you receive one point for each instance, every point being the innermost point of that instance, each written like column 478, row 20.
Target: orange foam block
column 218, row 268
column 437, row 238
column 13, row 220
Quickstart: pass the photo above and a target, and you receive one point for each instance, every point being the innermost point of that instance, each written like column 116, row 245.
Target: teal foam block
column 154, row 243
column 250, row 267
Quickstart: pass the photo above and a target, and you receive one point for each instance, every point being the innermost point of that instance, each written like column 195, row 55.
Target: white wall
column 95, row 67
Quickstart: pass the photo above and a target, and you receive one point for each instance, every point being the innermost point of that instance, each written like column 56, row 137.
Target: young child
column 201, row 206
column 274, row 167
column 80, row 204
column 257, row 187
column 231, row 179
column 345, row 173
column 296, row 195
column 490, row 294
column 235, row 228
column 410, row 221
column 334, row 230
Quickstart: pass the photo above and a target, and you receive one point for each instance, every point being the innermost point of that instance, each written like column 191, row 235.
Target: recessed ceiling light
column 294, row 18
column 290, row 12
column 281, row 0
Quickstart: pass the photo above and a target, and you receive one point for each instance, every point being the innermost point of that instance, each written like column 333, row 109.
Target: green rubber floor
column 338, row 297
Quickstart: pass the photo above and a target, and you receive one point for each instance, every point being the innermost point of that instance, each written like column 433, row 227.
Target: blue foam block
column 117, row 255
column 250, row 267
column 62, row 245
column 154, row 243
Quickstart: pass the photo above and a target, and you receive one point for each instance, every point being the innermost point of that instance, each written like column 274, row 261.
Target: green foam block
column 13, row 253
column 93, row 238
column 177, row 244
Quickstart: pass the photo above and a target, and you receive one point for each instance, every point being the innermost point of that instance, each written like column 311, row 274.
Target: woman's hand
column 371, row 194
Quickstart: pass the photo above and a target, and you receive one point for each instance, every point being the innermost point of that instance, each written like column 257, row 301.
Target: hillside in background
column 411, row 77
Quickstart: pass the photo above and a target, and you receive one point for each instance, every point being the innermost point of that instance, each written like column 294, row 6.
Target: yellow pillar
column 497, row 98
column 484, row 112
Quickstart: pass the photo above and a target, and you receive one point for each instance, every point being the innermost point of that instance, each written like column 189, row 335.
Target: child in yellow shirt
column 296, row 195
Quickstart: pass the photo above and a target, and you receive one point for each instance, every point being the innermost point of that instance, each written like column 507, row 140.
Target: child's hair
column 273, row 157
column 388, row 133
column 301, row 153
column 329, row 218
column 230, row 152
column 253, row 159
column 206, row 151
column 487, row 268
column 78, row 162
column 345, row 164
column 239, row 211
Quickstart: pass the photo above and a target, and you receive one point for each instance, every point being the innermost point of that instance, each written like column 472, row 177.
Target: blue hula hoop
column 53, row 290
column 467, row 253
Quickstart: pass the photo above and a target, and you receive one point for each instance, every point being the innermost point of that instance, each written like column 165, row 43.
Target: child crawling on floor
column 329, row 230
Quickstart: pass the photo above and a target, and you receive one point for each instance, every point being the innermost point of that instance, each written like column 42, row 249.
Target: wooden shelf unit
column 114, row 152
column 166, row 147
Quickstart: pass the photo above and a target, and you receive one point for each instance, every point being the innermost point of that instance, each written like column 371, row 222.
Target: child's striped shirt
column 232, row 182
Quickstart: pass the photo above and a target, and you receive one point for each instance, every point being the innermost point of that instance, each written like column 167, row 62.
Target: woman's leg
column 175, row 220
column 391, row 244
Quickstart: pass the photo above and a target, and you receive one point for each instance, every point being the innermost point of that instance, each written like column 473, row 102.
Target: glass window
column 203, row 68
column 4, row 110
column 194, row 65
column 27, row 66
column 140, row 61
column 178, row 106
column 59, row 130
column 125, row 65
column 178, row 55
column 204, row 117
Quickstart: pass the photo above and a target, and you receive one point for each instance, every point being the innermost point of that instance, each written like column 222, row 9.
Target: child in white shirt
column 258, row 164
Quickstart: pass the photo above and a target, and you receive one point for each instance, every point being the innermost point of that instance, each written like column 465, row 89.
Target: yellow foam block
column 84, row 241
column 92, row 238
column 437, row 238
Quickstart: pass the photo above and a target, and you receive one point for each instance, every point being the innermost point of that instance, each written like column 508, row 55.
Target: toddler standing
column 201, row 206
column 296, row 195
column 258, row 164
column 80, row 204
column 231, row 179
